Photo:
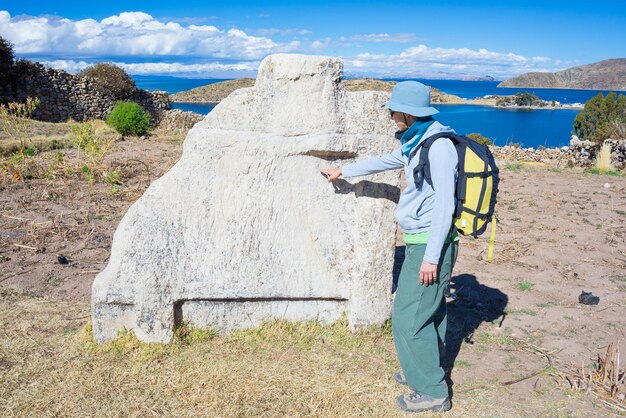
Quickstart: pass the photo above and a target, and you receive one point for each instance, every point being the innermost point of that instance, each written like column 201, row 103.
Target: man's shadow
column 365, row 188
column 471, row 305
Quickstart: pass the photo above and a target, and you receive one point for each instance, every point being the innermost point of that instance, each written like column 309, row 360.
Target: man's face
column 400, row 119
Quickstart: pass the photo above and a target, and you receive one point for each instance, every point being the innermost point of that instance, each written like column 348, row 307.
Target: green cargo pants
column 419, row 321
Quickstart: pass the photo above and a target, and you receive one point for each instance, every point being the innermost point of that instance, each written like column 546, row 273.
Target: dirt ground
column 560, row 232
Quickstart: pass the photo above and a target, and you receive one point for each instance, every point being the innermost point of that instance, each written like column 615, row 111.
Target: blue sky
column 431, row 39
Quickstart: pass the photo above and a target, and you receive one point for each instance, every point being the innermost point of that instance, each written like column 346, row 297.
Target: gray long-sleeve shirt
column 429, row 209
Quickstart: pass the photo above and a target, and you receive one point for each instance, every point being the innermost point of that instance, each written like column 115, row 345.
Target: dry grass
column 606, row 379
column 41, row 135
column 49, row 366
column 65, row 161
column 603, row 162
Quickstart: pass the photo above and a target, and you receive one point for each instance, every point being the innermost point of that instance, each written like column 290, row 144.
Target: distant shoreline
column 215, row 92
column 471, row 102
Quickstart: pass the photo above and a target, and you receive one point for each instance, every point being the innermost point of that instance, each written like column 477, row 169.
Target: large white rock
column 244, row 228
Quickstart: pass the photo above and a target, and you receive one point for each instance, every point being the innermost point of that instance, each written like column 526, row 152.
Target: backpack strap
column 421, row 172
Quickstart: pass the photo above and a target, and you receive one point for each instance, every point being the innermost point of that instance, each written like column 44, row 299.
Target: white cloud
column 192, row 20
column 425, row 61
column 131, row 34
column 282, row 32
column 321, row 44
column 137, row 36
column 205, row 69
column 385, row 37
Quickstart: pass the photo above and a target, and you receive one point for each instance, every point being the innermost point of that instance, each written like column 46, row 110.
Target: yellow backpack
column 476, row 187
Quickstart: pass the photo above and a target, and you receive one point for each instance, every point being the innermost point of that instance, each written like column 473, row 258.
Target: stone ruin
column 244, row 228
column 66, row 96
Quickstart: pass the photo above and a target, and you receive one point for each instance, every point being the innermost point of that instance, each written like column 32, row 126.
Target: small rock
column 63, row 259
column 607, row 185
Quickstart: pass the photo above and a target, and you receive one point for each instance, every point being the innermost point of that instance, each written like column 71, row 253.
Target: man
column 424, row 213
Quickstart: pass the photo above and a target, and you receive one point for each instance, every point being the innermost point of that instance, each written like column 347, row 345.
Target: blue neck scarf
column 412, row 136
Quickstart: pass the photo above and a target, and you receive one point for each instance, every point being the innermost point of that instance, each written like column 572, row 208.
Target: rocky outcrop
column 603, row 75
column 64, row 96
column 244, row 228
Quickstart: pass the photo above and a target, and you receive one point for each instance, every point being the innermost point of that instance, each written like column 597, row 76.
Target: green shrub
column 111, row 79
column 602, row 118
column 480, row 139
column 128, row 118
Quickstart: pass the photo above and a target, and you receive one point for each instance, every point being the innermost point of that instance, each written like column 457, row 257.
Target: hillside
column 214, row 93
column 603, row 75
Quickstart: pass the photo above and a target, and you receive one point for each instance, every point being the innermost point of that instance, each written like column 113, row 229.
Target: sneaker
column 399, row 377
column 414, row 402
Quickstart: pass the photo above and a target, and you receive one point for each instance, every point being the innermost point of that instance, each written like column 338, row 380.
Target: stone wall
column 176, row 120
column 618, row 153
column 577, row 154
column 66, row 96
column 585, row 153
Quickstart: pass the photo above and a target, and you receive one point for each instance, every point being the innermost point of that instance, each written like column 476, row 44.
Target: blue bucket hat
column 411, row 97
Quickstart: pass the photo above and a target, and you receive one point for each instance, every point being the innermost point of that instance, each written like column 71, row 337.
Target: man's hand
column 331, row 174
column 428, row 273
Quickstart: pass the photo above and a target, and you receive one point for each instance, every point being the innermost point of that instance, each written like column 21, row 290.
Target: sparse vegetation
column 462, row 364
column 92, row 140
column 525, row 286
column 15, row 120
column 595, row 170
column 523, row 311
column 93, row 146
column 513, row 166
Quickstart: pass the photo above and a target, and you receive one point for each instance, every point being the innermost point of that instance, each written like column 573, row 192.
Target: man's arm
column 371, row 165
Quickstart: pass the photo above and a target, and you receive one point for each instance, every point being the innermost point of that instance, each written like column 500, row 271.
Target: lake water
column 531, row 128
